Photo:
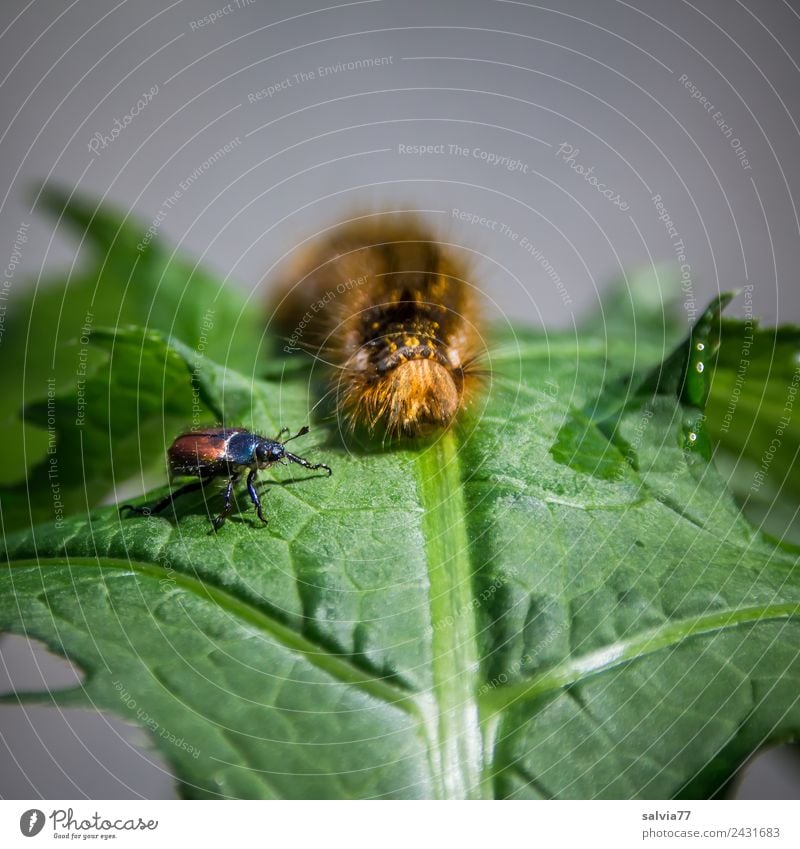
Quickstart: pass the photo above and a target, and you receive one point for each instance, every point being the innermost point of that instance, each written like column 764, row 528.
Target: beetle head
column 268, row 452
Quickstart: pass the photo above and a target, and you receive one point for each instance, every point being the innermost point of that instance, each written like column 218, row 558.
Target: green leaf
column 484, row 614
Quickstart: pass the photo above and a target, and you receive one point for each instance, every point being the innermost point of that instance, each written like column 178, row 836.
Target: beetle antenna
column 302, row 432
column 301, row 461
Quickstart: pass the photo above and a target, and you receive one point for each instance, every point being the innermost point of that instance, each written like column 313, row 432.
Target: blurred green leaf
column 641, row 307
column 738, row 383
column 753, row 409
column 138, row 393
column 124, row 280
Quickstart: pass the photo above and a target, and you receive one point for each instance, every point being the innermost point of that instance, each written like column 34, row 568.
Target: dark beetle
column 224, row 452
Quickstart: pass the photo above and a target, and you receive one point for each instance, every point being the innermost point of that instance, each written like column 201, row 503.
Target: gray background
column 511, row 79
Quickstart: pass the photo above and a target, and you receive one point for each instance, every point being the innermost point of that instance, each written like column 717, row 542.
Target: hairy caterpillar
column 389, row 309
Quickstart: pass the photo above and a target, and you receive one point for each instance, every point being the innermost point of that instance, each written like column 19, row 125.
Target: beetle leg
column 219, row 521
column 254, row 495
column 164, row 502
column 305, row 464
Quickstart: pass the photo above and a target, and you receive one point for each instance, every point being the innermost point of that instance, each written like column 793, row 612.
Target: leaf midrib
column 455, row 746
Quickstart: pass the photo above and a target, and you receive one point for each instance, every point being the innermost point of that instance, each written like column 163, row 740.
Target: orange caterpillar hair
column 390, row 310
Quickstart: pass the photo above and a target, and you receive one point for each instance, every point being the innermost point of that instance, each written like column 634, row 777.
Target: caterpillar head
column 412, row 399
